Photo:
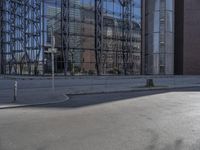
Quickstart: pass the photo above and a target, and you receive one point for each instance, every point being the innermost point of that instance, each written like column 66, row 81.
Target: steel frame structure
column 127, row 10
column 65, row 32
column 98, row 33
column 23, row 40
column 1, row 37
column 21, row 36
column 126, row 34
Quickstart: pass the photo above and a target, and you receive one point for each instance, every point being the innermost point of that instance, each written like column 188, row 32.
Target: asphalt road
column 153, row 120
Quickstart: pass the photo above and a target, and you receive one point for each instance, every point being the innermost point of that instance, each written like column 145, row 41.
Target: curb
column 133, row 90
column 91, row 93
column 7, row 106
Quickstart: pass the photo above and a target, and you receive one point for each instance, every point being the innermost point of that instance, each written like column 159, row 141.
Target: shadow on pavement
column 77, row 101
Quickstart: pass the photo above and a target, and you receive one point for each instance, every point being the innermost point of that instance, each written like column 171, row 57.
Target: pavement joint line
column 8, row 106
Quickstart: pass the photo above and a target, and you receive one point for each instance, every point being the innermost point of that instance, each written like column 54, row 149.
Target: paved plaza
column 150, row 120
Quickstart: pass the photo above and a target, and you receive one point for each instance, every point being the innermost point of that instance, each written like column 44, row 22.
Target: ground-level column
column 159, row 36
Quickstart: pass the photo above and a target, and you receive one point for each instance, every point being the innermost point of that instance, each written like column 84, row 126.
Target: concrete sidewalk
column 30, row 97
column 38, row 91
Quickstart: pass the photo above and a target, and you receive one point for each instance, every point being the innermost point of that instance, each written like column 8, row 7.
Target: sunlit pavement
column 150, row 120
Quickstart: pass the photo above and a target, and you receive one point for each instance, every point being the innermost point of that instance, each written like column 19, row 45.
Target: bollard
column 15, row 92
column 150, row 83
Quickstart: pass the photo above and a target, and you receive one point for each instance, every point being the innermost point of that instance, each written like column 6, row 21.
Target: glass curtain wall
column 121, row 48
column 51, row 24
column 81, row 58
column 116, row 43
column 159, row 36
column 21, row 37
column 1, row 37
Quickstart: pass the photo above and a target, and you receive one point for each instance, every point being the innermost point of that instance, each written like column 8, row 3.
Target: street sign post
column 53, row 50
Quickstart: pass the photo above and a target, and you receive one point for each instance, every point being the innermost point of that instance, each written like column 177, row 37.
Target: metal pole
column 53, row 76
column 52, row 58
column 15, row 92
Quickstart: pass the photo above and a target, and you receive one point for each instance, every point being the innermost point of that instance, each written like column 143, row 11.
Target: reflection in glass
column 159, row 37
column 34, row 57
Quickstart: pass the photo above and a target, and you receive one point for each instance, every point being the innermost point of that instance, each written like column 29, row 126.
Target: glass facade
column 20, row 37
column 27, row 27
column 159, row 37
